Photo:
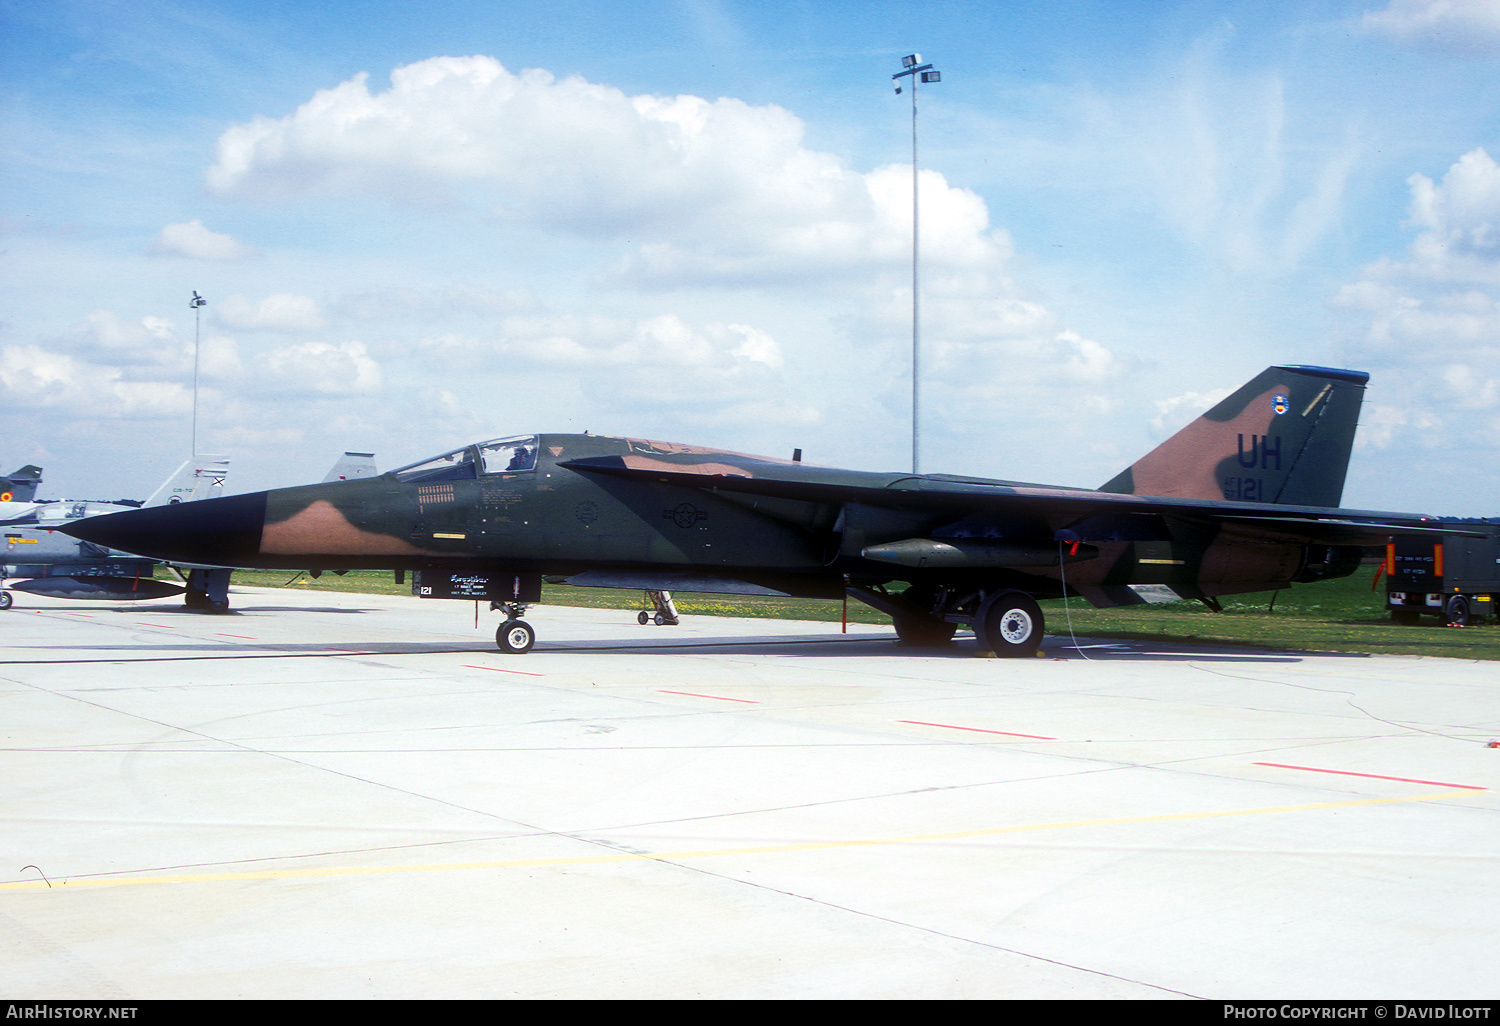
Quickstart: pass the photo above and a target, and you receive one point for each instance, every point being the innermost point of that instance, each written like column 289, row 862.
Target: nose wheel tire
column 515, row 637
column 5, row 600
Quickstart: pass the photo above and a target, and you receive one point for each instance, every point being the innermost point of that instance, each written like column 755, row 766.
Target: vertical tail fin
column 351, row 466
column 195, row 479
column 21, row 484
column 1284, row 437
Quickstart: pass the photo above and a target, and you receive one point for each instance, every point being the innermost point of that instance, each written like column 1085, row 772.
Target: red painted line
column 164, row 626
column 245, row 637
column 496, row 669
column 1373, row 776
column 978, row 730
column 717, row 698
column 89, row 615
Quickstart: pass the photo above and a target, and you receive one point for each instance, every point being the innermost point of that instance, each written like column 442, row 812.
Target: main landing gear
column 515, row 636
column 1010, row 623
column 208, row 590
column 1005, row 622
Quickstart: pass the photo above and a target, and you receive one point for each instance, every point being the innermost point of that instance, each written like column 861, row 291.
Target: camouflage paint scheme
column 1241, row 500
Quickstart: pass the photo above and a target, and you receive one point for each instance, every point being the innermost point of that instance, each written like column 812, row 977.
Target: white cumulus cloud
column 1435, row 314
column 1462, row 220
column 283, row 311
column 1470, row 27
column 192, row 239
column 321, row 368
column 32, row 377
column 709, row 190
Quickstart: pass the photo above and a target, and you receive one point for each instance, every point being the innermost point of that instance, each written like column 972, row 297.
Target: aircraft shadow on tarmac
column 837, row 647
column 305, row 609
column 816, row 647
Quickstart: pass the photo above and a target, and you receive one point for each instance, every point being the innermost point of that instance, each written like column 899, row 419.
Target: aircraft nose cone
column 216, row 532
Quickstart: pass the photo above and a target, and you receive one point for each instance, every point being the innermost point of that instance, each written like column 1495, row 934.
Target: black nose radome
column 216, row 532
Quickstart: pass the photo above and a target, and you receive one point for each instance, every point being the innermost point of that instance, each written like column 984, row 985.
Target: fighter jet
column 62, row 566
column 1244, row 499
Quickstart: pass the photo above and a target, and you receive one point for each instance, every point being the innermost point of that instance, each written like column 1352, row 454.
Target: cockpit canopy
column 497, row 456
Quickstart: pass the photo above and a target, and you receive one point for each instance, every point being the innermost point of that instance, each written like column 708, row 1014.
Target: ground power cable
column 1062, row 575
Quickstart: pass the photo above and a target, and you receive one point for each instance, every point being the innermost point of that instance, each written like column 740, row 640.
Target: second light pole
column 913, row 68
column 197, row 304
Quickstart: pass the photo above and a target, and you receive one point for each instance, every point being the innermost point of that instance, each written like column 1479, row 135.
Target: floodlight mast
column 913, row 68
column 197, row 303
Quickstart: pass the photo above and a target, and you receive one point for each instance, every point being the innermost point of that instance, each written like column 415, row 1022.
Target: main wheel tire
column 919, row 632
column 515, row 637
column 1011, row 624
column 643, row 618
column 216, row 607
column 1457, row 612
column 5, row 600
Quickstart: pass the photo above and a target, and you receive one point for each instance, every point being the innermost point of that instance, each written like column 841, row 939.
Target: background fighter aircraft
column 62, row 566
column 351, row 466
column 20, row 485
column 65, row 567
column 1241, row 500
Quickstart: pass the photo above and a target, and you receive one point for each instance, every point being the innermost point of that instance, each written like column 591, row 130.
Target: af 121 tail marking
column 1284, row 437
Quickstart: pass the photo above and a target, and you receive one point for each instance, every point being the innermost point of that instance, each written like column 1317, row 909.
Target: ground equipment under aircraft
column 1243, row 499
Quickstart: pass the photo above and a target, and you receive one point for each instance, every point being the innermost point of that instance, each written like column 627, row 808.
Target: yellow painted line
column 672, row 856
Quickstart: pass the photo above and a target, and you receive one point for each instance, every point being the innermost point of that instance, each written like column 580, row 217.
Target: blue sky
column 420, row 226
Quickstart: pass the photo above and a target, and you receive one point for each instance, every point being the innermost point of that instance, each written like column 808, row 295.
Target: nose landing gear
column 515, row 636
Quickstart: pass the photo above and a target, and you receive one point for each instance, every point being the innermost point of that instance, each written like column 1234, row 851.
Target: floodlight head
column 932, row 76
column 911, row 60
